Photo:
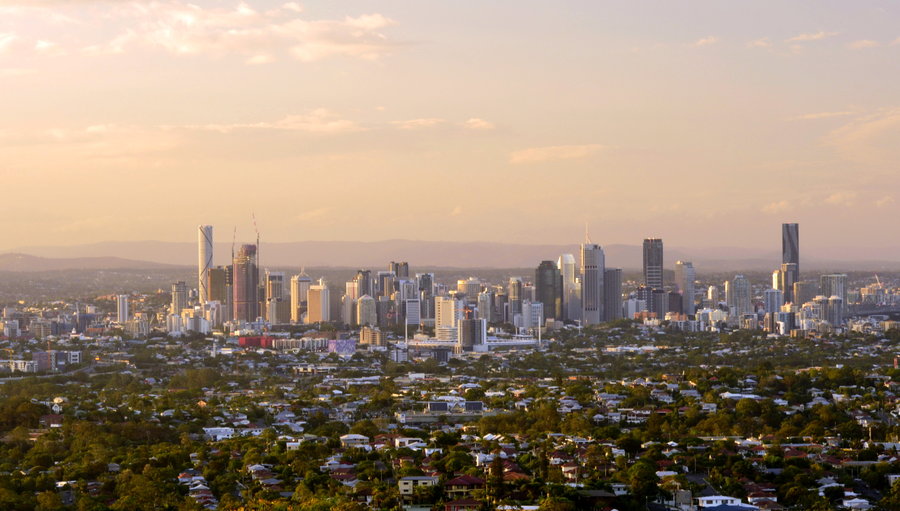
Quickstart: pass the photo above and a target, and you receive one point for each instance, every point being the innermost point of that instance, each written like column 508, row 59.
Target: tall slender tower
column 790, row 259
column 653, row 263
column 245, row 285
column 593, row 265
column 205, row 262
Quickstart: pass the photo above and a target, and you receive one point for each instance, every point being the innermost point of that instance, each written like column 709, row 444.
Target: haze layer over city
column 264, row 255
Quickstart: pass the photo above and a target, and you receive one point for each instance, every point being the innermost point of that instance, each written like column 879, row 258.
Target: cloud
column 812, row 36
column 183, row 28
column 416, row 124
column 819, row 115
column 706, row 41
column 864, row 43
column 884, row 202
column 313, row 214
column 318, row 121
column 776, row 207
column 478, row 124
column 550, row 153
column 760, row 43
column 841, row 198
column 872, row 138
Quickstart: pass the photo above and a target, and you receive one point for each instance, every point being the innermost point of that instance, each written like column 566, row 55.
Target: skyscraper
column 400, row 269
column 245, row 294
column 612, row 294
column 300, row 285
column 205, row 262
column 122, row 309
column 739, row 295
column 549, row 289
column 790, row 255
column 834, row 284
column 319, row 300
column 684, row 280
column 569, row 273
column 593, row 264
column 653, row 263
column 179, row 297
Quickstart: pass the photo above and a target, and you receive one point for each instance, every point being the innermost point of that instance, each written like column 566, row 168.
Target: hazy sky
column 705, row 123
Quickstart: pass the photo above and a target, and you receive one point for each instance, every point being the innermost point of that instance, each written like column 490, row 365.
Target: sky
column 706, row 123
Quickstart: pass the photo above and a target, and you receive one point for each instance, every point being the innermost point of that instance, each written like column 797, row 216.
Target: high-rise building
column 300, row 285
column 653, row 263
column 548, row 285
column 612, row 294
column 804, row 292
column 319, row 302
column 834, row 284
column 122, row 309
column 790, row 254
column 245, row 277
column 569, row 273
column 593, row 265
column 366, row 312
column 205, row 263
column 179, row 297
column 684, row 280
column 274, row 285
column 365, row 284
column 385, row 282
column 399, row 269
column 219, row 279
column 739, row 293
column 514, row 291
column 446, row 317
column 773, row 299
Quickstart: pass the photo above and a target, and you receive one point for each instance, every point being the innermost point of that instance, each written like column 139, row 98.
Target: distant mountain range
column 30, row 263
column 432, row 254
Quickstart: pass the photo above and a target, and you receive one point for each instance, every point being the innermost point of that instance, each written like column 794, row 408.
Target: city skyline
column 170, row 100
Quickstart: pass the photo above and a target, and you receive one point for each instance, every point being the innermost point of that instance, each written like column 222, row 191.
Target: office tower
column 471, row 333
column 804, row 292
column 219, row 279
column 385, row 282
column 834, row 284
column 486, row 306
column 425, row 282
column 548, row 285
column 834, row 310
column 684, row 280
column 514, row 291
column 659, row 302
column 612, row 294
column 351, row 289
column 712, row 296
column 300, row 285
column 790, row 259
column 319, row 303
column 738, row 292
column 122, row 309
column 784, row 280
column 593, row 265
column 446, row 311
column 773, row 299
column 245, row 293
column 400, row 269
column 205, row 252
column 412, row 311
column 274, row 285
column 676, row 303
column 653, row 263
column 366, row 311
column 348, row 311
column 364, row 283
column 179, row 297
column 569, row 273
